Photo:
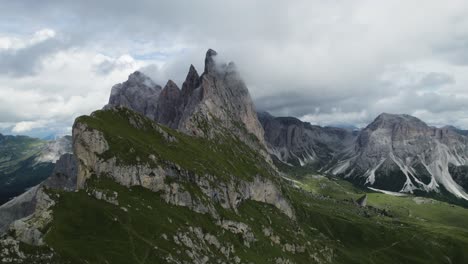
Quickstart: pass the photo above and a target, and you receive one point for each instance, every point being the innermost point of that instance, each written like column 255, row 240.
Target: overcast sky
column 327, row 62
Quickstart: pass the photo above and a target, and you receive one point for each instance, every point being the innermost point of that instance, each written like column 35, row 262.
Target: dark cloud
column 28, row 60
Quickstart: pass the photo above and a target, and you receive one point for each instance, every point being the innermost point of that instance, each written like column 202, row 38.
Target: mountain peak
column 192, row 71
column 139, row 93
column 171, row 83
column 167, row 105
column 192, row 82
column 386, row 120
column 209, row 61
column 138, row 77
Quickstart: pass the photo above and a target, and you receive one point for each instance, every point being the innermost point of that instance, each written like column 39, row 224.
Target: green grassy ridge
column 222, row 157
column 85, row 229
column 93, row 231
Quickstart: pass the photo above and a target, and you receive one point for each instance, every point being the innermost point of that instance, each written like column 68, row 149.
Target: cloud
column 26, row 126
column 350, row 59
column 24, row 56
column 105, row 65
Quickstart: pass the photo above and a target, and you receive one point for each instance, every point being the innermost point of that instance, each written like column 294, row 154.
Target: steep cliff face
column 299, row 143
column 401, row 153
column 168, row 108
column 98, row 143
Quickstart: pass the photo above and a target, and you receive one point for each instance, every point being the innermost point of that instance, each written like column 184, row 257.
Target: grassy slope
column 432, row 228
column 99, row 232
column 328, row 223
column 227, row 156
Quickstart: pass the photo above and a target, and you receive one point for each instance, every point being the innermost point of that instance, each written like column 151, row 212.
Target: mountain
column 210, row 105
column 299, row 143
column 25, row 162
column 457, row 130
column 397, row 153
column 402, row 153
column 139, row 191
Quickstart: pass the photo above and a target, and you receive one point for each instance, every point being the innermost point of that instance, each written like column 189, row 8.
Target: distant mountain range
column 26, row 161
column 397, row 153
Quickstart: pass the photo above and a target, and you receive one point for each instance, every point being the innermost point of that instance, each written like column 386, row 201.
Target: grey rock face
column 224, row 100
column 300, row 143
column 169, row 101
column 64, row 175
column 401, row 153
column 138, row 93
column 191, row 83
column 398, row 153
column 17, row 208
column 362, row 201
column 218, row 102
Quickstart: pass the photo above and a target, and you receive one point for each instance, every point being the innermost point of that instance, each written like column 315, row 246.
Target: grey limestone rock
column 138, row 93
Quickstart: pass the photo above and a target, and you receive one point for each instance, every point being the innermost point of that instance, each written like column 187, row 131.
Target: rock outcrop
column 138, row 93
column 65, row 173
column 362, row 201
column 169, row 102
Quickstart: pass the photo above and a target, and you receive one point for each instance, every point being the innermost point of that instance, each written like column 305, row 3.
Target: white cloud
column 65, row 88
column 105, row 64
column 26, row 126
column 350, row 59
column 15, row 42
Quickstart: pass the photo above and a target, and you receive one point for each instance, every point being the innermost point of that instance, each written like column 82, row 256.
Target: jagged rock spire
column 220, row 93
column 210, row 64
column 168, row 105
column 192, row 81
